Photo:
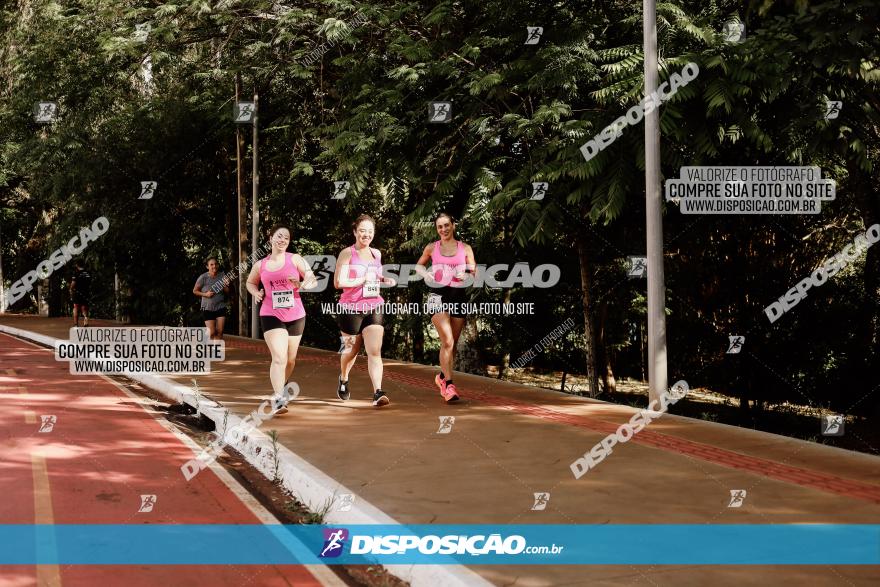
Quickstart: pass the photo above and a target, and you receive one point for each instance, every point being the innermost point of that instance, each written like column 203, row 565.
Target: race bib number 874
column 282, row 298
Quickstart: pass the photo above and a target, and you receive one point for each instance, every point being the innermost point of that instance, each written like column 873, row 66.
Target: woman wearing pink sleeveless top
column 275, row 281
column 358, row 274
column 450, row 260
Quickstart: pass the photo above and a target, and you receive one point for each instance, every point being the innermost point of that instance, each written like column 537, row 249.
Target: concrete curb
column 311, row 485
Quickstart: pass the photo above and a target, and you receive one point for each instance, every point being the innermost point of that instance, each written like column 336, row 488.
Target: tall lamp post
column 255, row 211
column 2, row 288
column 657, row 374
column 246, row 113
column 241, row 210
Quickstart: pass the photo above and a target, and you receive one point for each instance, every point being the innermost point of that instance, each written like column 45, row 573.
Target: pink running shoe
column 450, row 394
column 441, row 383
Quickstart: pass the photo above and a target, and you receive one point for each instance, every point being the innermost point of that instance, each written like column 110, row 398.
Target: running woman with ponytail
column 282, row 315
column 358, row 274
column 451, row 260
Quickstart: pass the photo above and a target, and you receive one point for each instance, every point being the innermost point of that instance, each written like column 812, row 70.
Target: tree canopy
column 145, row 92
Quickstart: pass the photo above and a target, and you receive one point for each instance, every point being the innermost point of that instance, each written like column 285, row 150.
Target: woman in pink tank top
column 451, row 261
column 275, row 283
column 360, row 319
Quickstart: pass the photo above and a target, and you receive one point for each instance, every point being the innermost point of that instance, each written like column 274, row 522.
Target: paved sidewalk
column 509, row 441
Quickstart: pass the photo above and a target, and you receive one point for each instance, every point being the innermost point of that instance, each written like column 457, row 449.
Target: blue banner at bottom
column 523, row 544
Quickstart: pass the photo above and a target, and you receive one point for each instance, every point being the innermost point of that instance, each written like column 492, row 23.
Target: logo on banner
column 334, row 542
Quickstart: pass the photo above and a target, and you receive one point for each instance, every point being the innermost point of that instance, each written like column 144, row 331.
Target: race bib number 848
column 371, row 289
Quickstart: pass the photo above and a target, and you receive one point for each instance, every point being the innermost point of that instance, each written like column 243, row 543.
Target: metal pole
column 2, row 287
column 242, row 218
column 657, row 375
column 255, row 212
column 116, row 312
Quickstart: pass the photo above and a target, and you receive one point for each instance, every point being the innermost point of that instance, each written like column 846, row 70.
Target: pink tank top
column 353, row 297
column 281, row 299
column 445, row 267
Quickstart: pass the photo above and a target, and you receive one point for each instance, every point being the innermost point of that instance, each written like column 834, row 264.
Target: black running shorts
column 451, row 295
column 294, row 328
column 356, row 322
column 209, row 315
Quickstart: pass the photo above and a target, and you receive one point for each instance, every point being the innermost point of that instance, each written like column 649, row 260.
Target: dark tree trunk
column 609, row 383
column 56, row 301
column 505, row 360
column 587, row 299
column 734, row 366
column 417, row 332
column 643, row 351
column 467, row 357
column 867, row 200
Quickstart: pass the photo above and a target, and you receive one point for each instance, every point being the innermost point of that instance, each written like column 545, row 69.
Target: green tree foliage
column 343, row 91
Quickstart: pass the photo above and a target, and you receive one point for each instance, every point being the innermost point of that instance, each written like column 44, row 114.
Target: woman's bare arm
column 253, row 283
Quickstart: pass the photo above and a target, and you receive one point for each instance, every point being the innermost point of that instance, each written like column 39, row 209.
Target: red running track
column 103, row 452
